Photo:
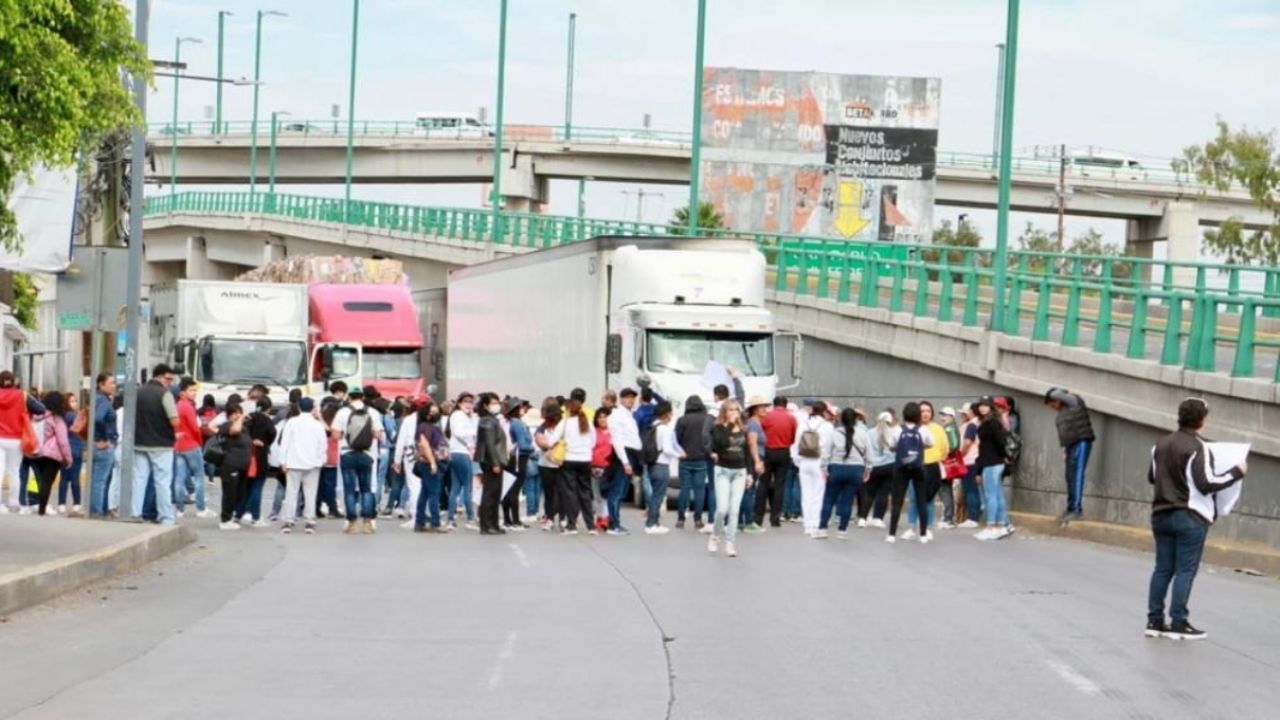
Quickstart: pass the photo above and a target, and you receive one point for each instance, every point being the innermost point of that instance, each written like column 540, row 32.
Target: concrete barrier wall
column 877, row 360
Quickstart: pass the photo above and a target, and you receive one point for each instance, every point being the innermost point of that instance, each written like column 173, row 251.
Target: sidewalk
column 43, row 557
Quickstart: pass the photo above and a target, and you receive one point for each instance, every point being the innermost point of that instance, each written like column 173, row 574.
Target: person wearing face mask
column 432, row 453
column 491, row 456
column 461, row 430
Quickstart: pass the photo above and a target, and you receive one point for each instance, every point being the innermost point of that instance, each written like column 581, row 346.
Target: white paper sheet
column 715, row 374
column 1225, row 457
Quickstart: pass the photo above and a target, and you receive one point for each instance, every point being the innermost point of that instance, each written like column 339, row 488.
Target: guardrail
column 1063, row 291
column 627, row 136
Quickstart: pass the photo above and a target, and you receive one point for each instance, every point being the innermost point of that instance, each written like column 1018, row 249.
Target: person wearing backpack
column 932, row 470
column 993, row 459
column 812, row 453
column 662, row 454
column 910, row 443
column 848, row 452
column 359, row 430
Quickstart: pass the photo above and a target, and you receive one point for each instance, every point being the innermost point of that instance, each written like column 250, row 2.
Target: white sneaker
column 706, row 529
column 820, row 535
column 206, row 514
column 926, row 538
column 986, row 533
column 657, row 530
column 862, row 523
column 246, row 519
column 400, row 513
column 842, row 535
column 968, row 525
column 1006, row 531
column 406, row 525
column 944, row 525
column 472, row 525
column 4, row 509
column 24, row 510
column 712, row 544
column 730, row 550
column 876, row 523
column 62, row 509
column 262, row 524
column 909, row 534
column 229, row 526
column 890, row 539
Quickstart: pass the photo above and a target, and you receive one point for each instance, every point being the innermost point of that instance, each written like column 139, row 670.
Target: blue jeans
column 460, row 474
column 397, row 490
column 532, row 489
column 251, row 504
column 429, row 498
column 843, row 482
column 659, row 478
column 357, row 485
column 1077, row 462
column 711, row 490
column 104, row 461
column 1179, row 545
column 188, row 465
column 384, row 470
column 693, row 480
column 617, row 490
column 972, row 494
column 997, row 511
column 71, row 481
column 154, row 469
column 913, row 513
column 791, row 493
column 747, row 513
column 328, row 492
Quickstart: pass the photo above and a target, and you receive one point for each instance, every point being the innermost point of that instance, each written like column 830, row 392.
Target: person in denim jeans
column 188, row 461
column 992, row 459
column 105, row 437
column 693, row 433
column 154, row 435
column 462, row 430
column 730, row 449
column 848, row 453
column 357, row 465
column 669, row 454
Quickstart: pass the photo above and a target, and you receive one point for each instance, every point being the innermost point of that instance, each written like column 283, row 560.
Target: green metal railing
column 637, row 136
column 1064, row 296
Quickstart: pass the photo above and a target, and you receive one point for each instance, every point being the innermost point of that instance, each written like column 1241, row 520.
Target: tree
column 1037, row 240
column 708, row 219
column 1091, row 243
column 25, row 294
column 963, row 235
column 60, row 85
column 1249, row 160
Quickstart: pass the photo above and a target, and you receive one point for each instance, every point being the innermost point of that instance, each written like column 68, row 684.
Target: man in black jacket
column 491, row 457
column 1182, row 510
column 1075, row 435
column 693, row 433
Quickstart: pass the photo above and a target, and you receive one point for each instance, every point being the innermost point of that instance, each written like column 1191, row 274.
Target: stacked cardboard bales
column 329, row 269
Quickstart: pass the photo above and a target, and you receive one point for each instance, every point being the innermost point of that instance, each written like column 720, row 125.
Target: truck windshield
column 689, row 351
column 392, row 364
column 230, row 360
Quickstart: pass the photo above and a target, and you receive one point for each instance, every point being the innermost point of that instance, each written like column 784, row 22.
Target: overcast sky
column 1144, row 77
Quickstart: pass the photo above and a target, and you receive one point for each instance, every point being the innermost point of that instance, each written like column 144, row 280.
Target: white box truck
column 230, row 336
column 609, row 313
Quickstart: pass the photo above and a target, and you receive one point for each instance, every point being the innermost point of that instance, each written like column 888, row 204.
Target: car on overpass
column 450, row 125
column 1100, row 164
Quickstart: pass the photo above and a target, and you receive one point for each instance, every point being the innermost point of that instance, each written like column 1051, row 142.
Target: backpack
column 810, row 444
column 649, row 445
column 910, row 449
column 359, row 433
column 1012, row 447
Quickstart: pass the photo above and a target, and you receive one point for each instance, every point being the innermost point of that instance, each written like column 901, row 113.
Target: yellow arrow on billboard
column 849, row 220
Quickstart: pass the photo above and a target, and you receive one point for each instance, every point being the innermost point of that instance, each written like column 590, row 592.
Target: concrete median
column 45, row 579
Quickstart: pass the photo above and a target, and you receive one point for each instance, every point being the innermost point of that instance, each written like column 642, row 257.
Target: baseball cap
column 949, row 411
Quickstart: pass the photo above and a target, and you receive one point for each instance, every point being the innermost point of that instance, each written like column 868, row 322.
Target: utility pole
column 495, row 229
column 568, row 81
column 1006, row 150
column 695, row 159
column 995, row 131
column 133, row 279
column 1062, row 196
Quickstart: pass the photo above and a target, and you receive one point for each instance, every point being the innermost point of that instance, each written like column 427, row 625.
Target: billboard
column 849, row 156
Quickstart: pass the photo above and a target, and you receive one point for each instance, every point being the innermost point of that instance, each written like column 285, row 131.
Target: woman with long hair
column 549, row 467
column 992, row 463
column 574, row 495
column 909, row 447
column 70, row 481
column 880, row 458
column 603, row 459
column 54, row 450
column 16, row 411
column 848, row 453
column 730, row 452
column 813, row 441
column 432, row 457
column 932, row 471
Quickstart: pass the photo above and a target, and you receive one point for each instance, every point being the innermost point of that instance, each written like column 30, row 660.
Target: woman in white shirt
column 574, row 497
column 304, row 443
column 660, row 472
column 848, row 452
column 812, row 449
column 461, row 430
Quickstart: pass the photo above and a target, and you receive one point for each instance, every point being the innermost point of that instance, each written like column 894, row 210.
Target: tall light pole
column 1006, row 165
column 257, row 87
column 497, row 134
column 173, row 143
column 271, row 158
column 351, row 109
column 695, row 158
column 568, row 80
column 995, row 126
column 217, row 113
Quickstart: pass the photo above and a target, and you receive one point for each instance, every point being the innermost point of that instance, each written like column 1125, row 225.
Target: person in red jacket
column 779, row 434
column 188, row 453
column 602, row 459
column 16, row 411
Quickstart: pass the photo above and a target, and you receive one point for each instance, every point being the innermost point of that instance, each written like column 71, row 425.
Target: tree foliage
column 1249, row 160
column 708, row 218
column 61, row 85
column 962, row 235
column 25, row 295
column 1090, row 243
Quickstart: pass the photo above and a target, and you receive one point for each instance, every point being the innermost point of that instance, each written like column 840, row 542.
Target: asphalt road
column 258, row 625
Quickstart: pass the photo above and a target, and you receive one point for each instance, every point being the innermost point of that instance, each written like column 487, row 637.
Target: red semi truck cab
column 366, row 335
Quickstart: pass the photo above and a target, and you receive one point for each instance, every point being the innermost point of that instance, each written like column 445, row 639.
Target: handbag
column 275, row 454
column 80, row 425
column 953, row 466
column 556, row 455
column 215, row 450
column 30, row 440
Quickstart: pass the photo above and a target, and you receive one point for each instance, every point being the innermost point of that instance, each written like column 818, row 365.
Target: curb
column 39, row 583
column 1216, row 552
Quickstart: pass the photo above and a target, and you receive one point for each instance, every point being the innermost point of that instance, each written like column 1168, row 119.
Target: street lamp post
column 217, row 113
column 1006, row 152
column 271, row 158
column 257, row 86
column 496, row 199
column 351, row 110
column 695, row 158
column 995, row 131
column 568, row 81
column 173, row 142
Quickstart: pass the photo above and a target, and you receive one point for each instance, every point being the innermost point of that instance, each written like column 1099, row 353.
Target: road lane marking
column 508, row 649
column 1073, row 677
column 519, row 551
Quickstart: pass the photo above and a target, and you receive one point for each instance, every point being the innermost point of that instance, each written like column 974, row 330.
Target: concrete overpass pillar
column 522, row 188
column 1179, row 227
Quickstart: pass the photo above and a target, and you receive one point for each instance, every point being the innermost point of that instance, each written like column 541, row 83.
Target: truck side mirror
column 613, row 354
column 326, row 362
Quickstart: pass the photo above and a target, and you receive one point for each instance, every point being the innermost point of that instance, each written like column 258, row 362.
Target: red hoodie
column 13, row 402
column 188, row 433
column 603, row 449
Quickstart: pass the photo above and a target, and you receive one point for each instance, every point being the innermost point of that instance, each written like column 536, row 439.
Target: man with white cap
column 947, row 489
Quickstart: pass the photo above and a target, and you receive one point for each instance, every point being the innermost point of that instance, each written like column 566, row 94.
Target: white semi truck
column 230, row 336
column 612, row 313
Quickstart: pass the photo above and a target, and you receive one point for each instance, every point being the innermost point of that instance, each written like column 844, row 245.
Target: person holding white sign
column 1183, row 475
